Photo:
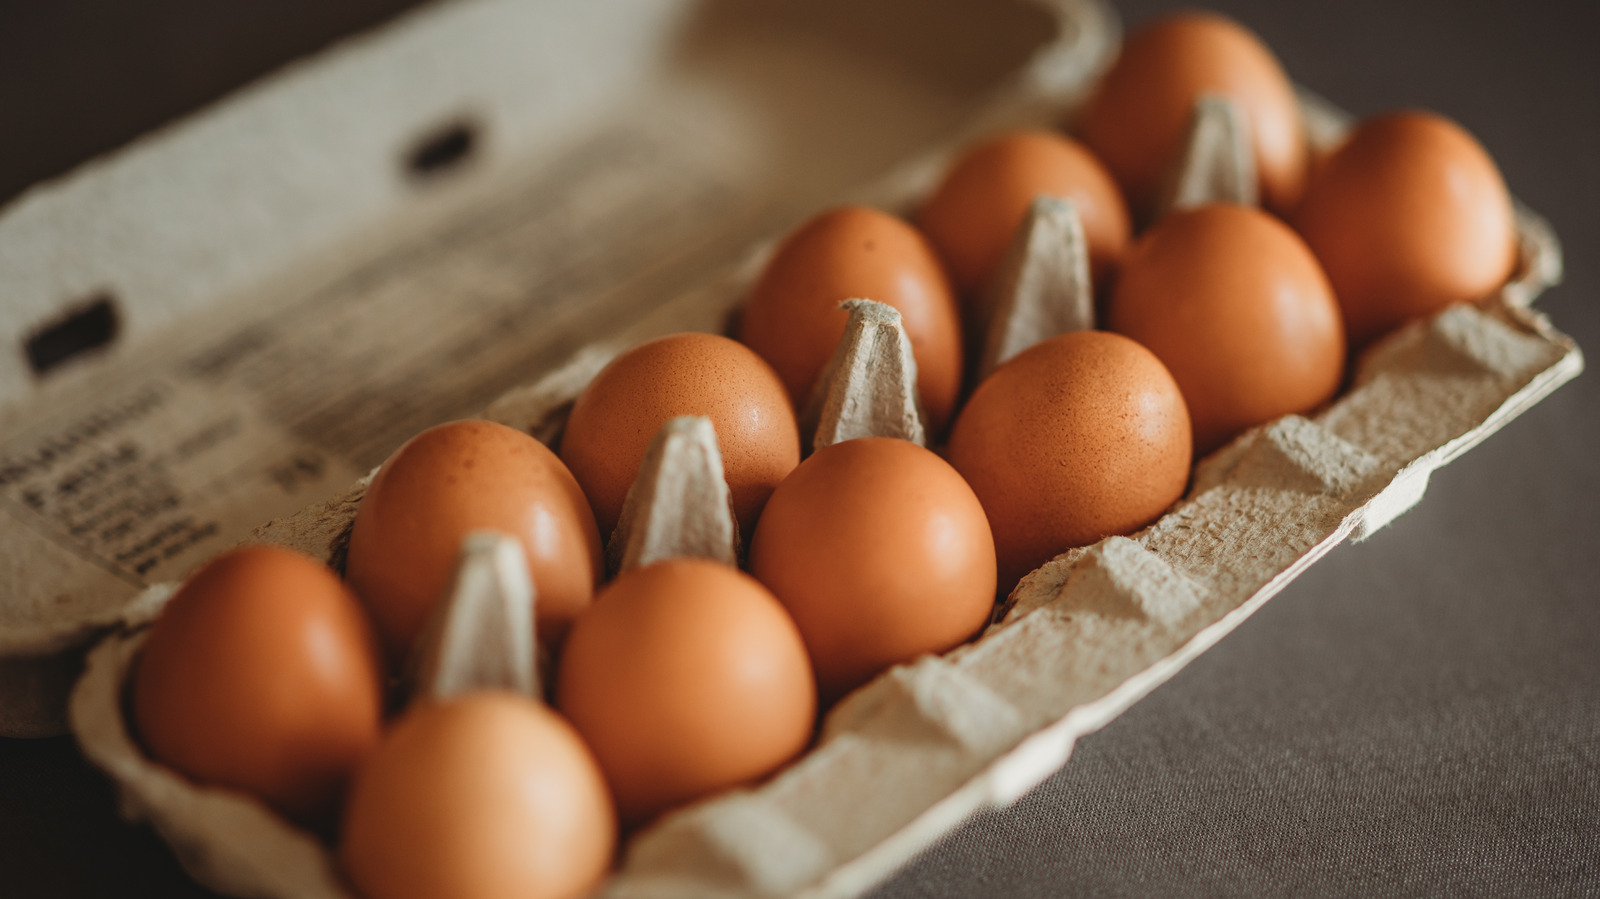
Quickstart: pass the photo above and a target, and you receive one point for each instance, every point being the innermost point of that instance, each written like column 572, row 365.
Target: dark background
column 1419, row 714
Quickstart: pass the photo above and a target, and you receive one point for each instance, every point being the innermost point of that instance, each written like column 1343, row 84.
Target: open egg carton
column 907, row 757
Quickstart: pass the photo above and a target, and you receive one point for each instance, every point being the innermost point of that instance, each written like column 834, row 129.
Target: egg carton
column 907, row 757
column 904, row 759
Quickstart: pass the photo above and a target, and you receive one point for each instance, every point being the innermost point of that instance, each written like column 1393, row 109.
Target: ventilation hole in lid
column 442, row 150
column 86, row 327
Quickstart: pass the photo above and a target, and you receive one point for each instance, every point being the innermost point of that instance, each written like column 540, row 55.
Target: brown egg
column 1079, row 437
column 619, row 413
column 479, row 797
column 1138, row 116
column 1236, row 307
column 451, row 480
column 1407, row 217
column 792, row 317
column 881, row 553
column 264, row 675
column 686, row 677
column 976, row 210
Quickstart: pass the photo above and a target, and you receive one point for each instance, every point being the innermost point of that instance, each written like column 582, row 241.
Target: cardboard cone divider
column 481, row 635
column 869, row 386
column 679, row 503
column 1042, row 286
column 1217, row 162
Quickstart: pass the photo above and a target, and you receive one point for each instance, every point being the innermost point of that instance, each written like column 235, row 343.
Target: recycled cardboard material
column 480, row 636
column 270, row 296
column 1217, row 165
column 869, row 386
column 1042, row 286
column 902, row 760
column 679, row 504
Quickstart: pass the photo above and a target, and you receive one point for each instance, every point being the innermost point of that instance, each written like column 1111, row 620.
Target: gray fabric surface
column 1418, row 714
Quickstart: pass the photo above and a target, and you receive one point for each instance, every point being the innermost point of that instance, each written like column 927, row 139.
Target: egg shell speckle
column 451, row 480
column 881, row 553
column 1234, row 304
column 686, row 677
column 1409, row 215
column 479, row 797
column 1079, row 437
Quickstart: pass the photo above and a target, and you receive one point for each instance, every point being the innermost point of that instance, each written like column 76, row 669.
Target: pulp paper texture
column 868, row 388
column 1042, row 286
column 294, row 302
column 481, row 635
column 679, row 503
column 181, row 456
column 900, row 761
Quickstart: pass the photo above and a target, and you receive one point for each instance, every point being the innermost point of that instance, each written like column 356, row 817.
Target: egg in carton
column 906, row 757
